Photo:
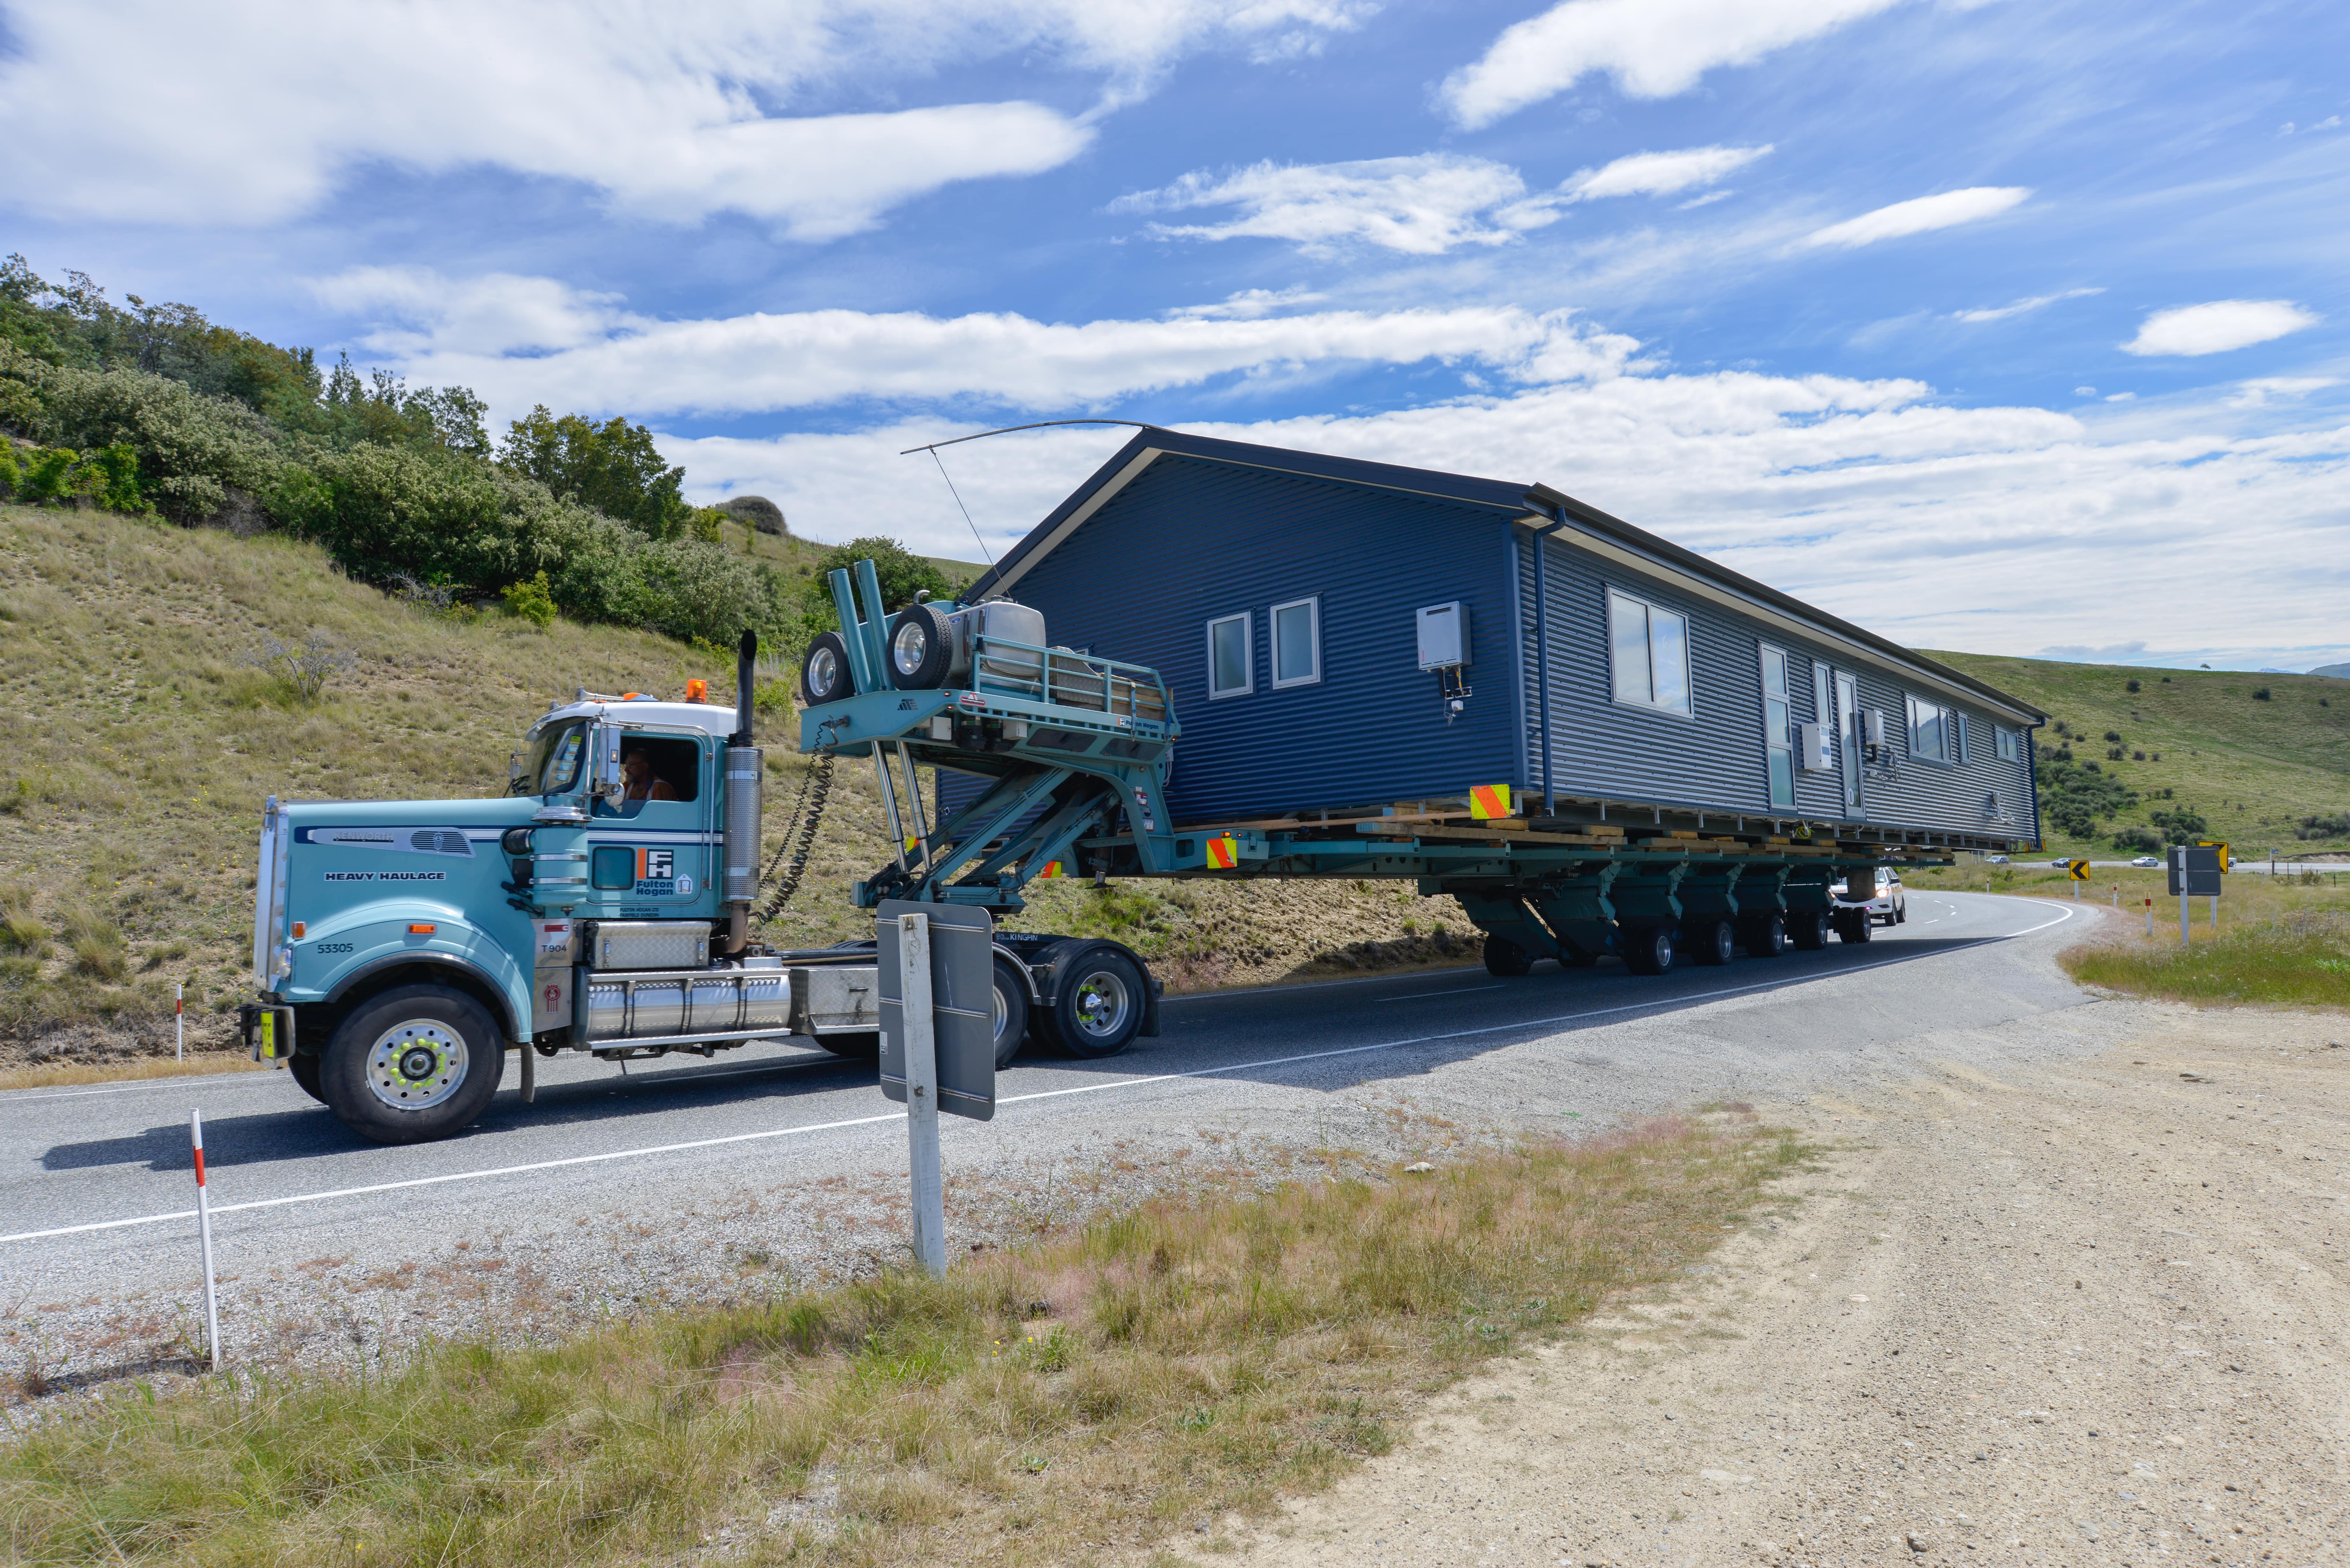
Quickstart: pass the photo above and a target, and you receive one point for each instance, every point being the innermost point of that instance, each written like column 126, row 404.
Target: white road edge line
column 899, row 1116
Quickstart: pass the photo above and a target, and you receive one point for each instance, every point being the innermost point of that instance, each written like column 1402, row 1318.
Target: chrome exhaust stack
column 745, row 765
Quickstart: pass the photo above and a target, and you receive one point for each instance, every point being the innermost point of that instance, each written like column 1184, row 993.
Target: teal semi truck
column 604, row 904
column 608, row 903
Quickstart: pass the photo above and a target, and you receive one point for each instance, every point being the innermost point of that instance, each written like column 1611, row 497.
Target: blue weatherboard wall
column 1189, row 540
column 1714, row 760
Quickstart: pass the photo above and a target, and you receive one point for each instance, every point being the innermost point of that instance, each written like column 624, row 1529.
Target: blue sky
column 2004, row 327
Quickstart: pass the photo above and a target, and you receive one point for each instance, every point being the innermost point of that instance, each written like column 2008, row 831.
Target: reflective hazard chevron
column 1222, row 853
column 1489, row 803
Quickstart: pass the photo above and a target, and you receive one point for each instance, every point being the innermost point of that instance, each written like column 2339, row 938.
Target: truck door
column 649, row 852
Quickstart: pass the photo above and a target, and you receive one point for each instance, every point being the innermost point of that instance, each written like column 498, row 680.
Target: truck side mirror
column 609, row 784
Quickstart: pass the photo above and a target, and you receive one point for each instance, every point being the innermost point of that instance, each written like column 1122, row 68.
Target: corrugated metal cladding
column 1715, row 759
column 1190, row 540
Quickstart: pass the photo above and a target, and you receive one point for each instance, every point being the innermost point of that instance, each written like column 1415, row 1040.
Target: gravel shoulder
column 2087, row 1309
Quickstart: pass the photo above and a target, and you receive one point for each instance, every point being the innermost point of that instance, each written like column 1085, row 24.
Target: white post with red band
column 179, row 1022
column 205, row 1231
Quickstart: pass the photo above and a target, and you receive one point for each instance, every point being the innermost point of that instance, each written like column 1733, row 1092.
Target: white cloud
column 2021, row 306
column 1848, row 494
column 1425, row 204
column 253, row 112
column 2215, row 327
column 1661, row 174
column 1654, row 48
column 2260, row 390
column 1422, row 205
column 537, row 343
column 1248, row 303
column 1946, row 210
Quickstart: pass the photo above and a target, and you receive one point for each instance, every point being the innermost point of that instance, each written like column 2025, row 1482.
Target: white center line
column 899, row 1116
column 1421, row 995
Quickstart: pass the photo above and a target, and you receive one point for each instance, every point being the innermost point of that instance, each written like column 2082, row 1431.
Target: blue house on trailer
column 1344, row 639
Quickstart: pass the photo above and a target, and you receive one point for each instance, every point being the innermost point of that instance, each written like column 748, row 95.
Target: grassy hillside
column 2253, row 766
column 142, row 741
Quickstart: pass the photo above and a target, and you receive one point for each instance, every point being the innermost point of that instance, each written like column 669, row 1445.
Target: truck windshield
column 551, row 766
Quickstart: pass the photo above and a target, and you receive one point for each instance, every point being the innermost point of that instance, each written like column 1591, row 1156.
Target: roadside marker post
column 2149, row 916
column 179, row 1022
column 937, row 977
column 205, row 1238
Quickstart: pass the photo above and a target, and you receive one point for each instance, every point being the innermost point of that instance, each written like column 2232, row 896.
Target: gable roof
column 1537, row 506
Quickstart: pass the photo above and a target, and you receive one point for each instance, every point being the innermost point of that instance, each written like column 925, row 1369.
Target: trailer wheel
column 1858, row 927
column 1713, row 942
column 1808, row 930
column 305, row 1071
column 1649, row 950
column 1504, row 959
column 824, row 671
column 1766, row 936
column 855, row 1047
column 922, row 649
column 1099, row 1006
column 1011, row 1013
column 418, row 1063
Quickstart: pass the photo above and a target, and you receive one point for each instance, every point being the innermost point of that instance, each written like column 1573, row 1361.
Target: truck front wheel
column 418, row 1063
column 305, row 1071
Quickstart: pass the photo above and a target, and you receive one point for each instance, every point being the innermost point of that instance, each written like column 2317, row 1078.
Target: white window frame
column 1650, row 610
column 1948, row 722
column 2007, row 743
column 1313, row 605
column 1784, row 739
column 1248, row 656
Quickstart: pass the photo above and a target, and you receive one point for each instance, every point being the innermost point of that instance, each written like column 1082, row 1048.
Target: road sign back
column 962, row 992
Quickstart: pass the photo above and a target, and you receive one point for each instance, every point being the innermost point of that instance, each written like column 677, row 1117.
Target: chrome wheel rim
column 909, row 647
column 823, row 669
column 415, row 1065
column 1102, row 1004
column 1002, row 1010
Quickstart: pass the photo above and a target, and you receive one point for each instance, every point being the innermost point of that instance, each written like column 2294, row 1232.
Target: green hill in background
column 2264, row 759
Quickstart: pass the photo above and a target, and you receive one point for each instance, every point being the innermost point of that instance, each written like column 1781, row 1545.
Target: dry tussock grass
column 1078, row 1398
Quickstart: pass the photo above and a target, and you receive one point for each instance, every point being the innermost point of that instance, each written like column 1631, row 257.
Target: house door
column 1848, row 737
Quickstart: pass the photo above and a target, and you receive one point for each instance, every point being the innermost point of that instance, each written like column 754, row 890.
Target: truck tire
column 1098, row 1005
column 415, row 1063
column 1504, row 959
column 1858, row 926
column 1765, row 937
column 824, row 671
column 305, row 1071
column 1808, row 930
column 1649, row 950
column 864, row 1047
column 1010, row 1011
column 922, row 649
column 1713, row 942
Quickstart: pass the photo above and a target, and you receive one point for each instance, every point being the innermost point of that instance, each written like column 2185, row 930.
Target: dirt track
column 2090, row 1313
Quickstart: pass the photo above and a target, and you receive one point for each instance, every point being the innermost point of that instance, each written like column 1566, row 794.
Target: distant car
column 1994, row 859
column 2060, row 863
column 2147, row 860
column 1888, row 906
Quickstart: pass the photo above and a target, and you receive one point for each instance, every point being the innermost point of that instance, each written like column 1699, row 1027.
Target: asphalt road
column 95, row 1193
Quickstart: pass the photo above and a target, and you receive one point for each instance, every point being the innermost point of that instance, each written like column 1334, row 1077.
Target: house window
column 1936, row 733
column 1232, row 671
column 1650, row 649
column 2007, row 743
column 1296, row 643
column 1778, row 743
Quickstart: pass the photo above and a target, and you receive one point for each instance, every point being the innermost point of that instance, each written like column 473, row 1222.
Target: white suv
column 1889, row 906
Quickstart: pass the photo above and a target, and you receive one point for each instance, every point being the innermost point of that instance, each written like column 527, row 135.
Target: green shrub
column 2137, row 840
column 532, row 600
column 2261, row 694
column 191, row 451
column 612, row 467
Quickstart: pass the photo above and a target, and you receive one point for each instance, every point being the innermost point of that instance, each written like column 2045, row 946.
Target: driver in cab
column 640, row 784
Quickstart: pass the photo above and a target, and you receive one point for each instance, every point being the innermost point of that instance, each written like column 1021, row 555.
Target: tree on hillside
column 613, row 468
